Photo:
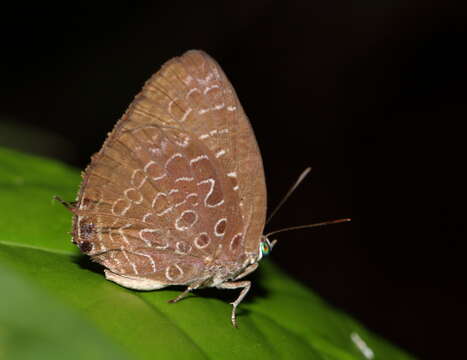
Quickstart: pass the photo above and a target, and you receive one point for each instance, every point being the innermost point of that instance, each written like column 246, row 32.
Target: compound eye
column 265, row 248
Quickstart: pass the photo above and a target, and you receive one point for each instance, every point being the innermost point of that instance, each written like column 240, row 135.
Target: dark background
column 371, row 94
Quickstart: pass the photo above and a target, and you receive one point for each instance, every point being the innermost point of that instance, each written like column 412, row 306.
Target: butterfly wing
column 192, row 92
column 178, row 182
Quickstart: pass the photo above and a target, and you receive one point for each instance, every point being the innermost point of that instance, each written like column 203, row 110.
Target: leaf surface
column 55, row 300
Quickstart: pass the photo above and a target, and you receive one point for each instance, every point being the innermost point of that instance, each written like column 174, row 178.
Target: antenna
column 284, row 199
column 291, row 190
column 324, row 223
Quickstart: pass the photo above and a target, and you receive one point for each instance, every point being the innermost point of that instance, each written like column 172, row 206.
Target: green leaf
column 55, row 301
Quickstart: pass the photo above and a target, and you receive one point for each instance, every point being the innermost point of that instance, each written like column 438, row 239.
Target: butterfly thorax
column 220, row 271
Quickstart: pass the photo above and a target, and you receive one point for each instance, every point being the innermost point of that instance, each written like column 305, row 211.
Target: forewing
column 192, row 92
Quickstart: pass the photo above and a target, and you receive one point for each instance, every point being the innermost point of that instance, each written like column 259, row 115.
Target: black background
column 370, row 94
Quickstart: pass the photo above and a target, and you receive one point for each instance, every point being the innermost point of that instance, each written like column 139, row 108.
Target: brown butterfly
column 177, row 195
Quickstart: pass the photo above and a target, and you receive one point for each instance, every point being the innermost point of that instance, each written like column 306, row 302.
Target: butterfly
column 177, row 193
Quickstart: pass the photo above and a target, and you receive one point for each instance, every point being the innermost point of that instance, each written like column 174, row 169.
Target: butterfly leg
column 239, row 284
column 184, row 294
column 70, row 205
column 247, row 271
column 236, row 285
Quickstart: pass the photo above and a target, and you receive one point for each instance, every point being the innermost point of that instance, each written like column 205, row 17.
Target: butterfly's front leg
column 246, row 285
column 247, row 271
column 236, row 285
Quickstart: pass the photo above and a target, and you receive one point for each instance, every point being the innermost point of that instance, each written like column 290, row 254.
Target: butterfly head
column 265, row 247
